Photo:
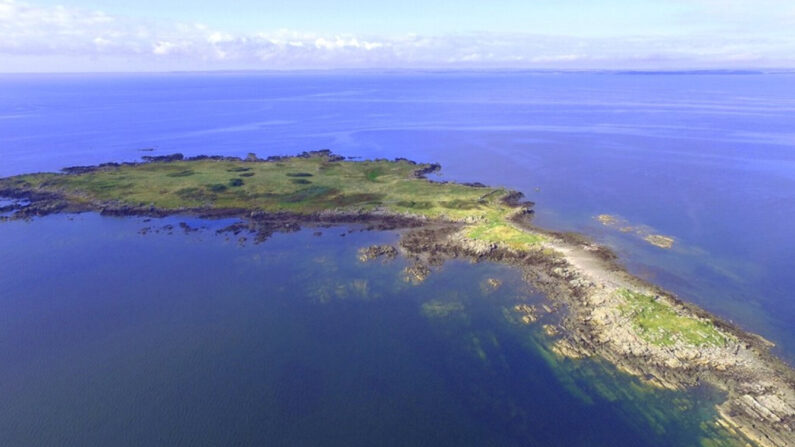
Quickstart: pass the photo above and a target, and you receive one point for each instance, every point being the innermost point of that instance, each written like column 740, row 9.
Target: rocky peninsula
column 637, row 326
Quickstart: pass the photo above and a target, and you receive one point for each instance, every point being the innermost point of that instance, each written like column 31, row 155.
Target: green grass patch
column 495, row 229
column 460, row 204
column 658, row 322
column 373, row 174
column 182, row 173
column 418, row 205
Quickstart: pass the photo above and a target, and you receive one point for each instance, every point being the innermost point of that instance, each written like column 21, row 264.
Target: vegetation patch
column 658, row 322
column 419, row 205
column 309, row 193
column 495, row 229
column 192, row 196
column 373, row 174
column 300, row 181
column 346, row 200
column 298, row 174
column 236, row 182
column 182, row 173
column 460, row 204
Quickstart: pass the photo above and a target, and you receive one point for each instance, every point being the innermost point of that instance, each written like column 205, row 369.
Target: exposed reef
column 385, row 252
column 642, row 231
column 606, row 312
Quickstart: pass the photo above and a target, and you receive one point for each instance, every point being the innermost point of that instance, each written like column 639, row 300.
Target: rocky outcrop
column 385, row 252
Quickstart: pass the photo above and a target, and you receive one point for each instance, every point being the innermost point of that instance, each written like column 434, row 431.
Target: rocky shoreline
column 574, row 273
column 583, row 277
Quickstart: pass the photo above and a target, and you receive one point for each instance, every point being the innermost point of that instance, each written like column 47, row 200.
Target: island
column 642, row 329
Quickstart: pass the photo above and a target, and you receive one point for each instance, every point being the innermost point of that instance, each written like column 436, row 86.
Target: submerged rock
column 441, row 309
column 528, row 313
column 416, row 274
column 386, row 252
column 490, row 285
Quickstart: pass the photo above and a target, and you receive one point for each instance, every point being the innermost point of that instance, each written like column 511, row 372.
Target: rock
column 416, row 274
column 387, row 252
column 551, row 330
column 527, row 313
column 565, row 348
column 491, row 284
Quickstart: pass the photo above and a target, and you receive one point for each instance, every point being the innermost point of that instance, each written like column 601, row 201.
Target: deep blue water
column 708, row 159
column 110, row 337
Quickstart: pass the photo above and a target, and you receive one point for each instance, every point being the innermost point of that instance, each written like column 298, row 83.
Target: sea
column 135, row 331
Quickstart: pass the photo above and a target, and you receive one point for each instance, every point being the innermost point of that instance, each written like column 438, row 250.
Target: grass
column 658, row 323
column 496, row 229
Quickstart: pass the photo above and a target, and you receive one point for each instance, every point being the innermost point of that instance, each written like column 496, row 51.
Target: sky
column 163, row 35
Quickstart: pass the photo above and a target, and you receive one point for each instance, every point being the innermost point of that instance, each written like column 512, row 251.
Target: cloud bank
column 34, row 38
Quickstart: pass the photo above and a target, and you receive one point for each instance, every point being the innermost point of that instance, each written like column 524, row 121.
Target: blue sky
column 595, row 18
column 146, row 35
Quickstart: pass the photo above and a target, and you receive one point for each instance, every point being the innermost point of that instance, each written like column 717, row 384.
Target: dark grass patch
column 183, row 173
column 373, row 174
column 357, row 199
column 420, row 205
column 195, row 194
column 298, row 174
column 238, row 169
column 300, row 181
column 459, row 204
column 247, row 174
column 308, row 194
column 217, row 187
column 106, row 185
column 235, row 182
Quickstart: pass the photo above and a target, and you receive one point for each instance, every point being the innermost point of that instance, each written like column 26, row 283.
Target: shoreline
column 760, row 387
column 568, row 268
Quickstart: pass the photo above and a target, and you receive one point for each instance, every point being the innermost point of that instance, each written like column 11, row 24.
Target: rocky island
column 642, row 329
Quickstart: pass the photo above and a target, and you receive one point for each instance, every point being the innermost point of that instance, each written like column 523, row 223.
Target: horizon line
column 432, row 70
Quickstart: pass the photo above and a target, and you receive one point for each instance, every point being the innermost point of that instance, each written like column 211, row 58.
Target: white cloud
column 32, row 37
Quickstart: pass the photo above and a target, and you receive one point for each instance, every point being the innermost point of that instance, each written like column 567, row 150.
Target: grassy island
column 311, row 183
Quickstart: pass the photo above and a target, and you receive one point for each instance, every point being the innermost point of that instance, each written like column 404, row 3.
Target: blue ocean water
column 706, row 158
column 113, row 337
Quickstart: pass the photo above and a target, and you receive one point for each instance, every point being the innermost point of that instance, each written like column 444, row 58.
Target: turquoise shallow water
column 111, row 337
